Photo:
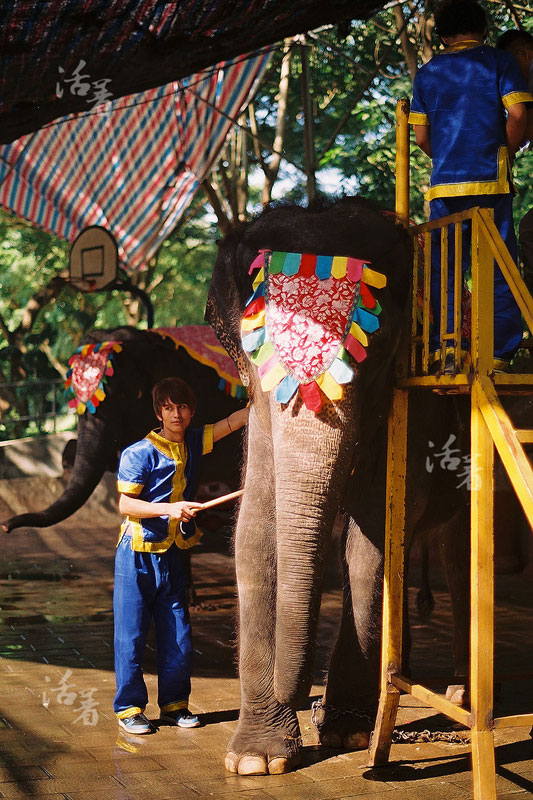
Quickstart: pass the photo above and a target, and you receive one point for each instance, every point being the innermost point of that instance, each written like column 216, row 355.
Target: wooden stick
column 219, row 500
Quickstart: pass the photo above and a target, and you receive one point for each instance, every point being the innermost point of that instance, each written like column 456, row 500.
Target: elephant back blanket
column 306, row 315
column 202, row 344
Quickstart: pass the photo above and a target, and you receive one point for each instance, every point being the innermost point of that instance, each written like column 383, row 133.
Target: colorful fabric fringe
column 306, row 315
column 90, row 366
column 201, row 344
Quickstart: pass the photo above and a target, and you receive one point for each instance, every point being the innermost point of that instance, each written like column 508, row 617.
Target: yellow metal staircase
column 490, row 427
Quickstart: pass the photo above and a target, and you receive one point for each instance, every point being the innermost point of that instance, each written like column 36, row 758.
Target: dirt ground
column 59, row 737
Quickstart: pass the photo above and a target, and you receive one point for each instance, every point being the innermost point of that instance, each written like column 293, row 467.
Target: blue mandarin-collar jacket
column 160, row 471
column 462, row 94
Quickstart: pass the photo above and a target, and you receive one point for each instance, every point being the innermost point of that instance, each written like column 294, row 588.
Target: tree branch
column 217, row 204
column 409, row 51
column 281, row 119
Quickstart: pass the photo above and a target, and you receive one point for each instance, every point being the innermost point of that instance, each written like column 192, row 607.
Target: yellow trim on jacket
column 125, row 487
column 418, row 118
column 499, row 186
column 513, row 98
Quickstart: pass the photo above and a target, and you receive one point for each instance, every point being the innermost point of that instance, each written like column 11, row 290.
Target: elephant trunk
column 311, row 473
column 93, row 454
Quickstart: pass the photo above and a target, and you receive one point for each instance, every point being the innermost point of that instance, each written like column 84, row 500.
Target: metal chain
column 411, row 737
column 332, row 713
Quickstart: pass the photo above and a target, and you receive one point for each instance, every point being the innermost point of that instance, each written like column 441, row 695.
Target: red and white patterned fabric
column 307, row 319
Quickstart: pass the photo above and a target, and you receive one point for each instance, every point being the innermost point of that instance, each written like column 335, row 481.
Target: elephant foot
column 261, row 747
column 259, row 765
column 342, row 727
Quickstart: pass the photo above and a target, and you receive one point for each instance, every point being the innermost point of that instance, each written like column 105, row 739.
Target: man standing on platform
column 469, row 115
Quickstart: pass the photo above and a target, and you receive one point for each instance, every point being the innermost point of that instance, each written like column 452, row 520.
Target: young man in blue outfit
column 469, row 114
column 156, row 481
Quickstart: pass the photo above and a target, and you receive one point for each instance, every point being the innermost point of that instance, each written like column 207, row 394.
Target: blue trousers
column 150, row 585
column 507, row 318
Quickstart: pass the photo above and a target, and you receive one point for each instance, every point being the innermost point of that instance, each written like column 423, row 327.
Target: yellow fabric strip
column 81, row 408
column 129, row 712
column 259, row 278
column 208, row 439
column 338, row 267
column 253, row 322
column 416, row 118
column 359, row 334
column 100, row 394
column 263, row 354
column 498, row 186
column 329, row 386
column 272, row 378
column 374, row 278
column 137, row 540
column 513, row 98
column 129, row 488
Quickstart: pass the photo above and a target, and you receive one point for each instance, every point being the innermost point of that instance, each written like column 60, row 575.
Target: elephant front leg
column 346, row 714
column 267, row 739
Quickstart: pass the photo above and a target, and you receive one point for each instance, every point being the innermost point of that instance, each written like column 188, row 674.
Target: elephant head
column 126, row 415
column 300, row 466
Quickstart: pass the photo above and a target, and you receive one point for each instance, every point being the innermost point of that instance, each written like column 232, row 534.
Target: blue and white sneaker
column 181, row 717
column 137, row 723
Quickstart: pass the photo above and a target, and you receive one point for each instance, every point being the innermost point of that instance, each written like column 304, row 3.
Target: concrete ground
column 59, row 737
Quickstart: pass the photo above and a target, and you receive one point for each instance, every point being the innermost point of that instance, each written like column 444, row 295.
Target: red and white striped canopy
column 130, row 165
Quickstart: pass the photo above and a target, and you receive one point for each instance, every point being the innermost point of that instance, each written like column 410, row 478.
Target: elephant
column 126, row 415
column 301, row 467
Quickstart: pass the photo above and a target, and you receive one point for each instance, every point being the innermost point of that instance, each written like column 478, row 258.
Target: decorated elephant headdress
column 306, row 315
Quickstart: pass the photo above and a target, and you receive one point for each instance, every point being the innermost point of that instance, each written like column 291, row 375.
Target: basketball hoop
column 93, row 260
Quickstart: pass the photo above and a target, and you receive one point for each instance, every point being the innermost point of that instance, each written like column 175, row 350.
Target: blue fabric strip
column 251, row 341
column 323, row 267
column 286, row 389
column 291, row 265
column 341, row 371
column 368, row 322
column 259, row 292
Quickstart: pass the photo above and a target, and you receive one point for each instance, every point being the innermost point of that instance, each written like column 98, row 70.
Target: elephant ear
column 230, row 287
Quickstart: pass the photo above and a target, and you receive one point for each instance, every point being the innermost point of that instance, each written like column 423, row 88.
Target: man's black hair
column 513, row 39
column 460, row 17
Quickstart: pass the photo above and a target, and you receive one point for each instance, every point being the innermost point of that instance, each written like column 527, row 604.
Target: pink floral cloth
column 307, row 319
column 87, row 372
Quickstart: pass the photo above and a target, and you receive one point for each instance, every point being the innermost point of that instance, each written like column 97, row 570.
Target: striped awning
column 128, row 46
column 130, row 165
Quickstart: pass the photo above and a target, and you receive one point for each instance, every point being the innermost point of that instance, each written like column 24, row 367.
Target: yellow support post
column 391, row 652
column 482, row 603
column 482, row 301
column 402, row 160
